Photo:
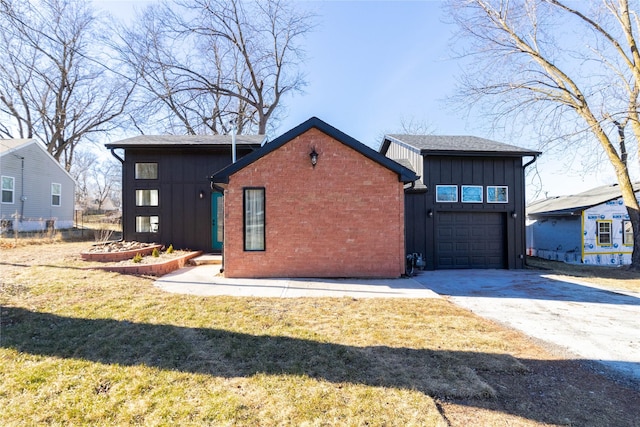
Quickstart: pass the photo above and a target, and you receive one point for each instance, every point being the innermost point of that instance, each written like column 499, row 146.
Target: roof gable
column 404, row 174
column 575, row 204
column 454, row 145
column 13, row 146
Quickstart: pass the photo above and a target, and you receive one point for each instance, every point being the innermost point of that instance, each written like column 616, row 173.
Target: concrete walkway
column 204, row 280
column 585, row 321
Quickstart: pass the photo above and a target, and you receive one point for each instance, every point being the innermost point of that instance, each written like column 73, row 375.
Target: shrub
column 155, row 253
column 137, row 258
column 170, row 249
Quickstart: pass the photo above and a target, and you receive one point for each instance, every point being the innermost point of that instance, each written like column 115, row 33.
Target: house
column 37, row 192
column 467, row 210
column 314, row 202
column 592, row 227
column 166, row 194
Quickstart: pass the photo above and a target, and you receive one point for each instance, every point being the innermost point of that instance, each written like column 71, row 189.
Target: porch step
column 206, row 259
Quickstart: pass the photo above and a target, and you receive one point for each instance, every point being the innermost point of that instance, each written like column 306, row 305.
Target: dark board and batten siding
column 184, row 218
column 468, row 235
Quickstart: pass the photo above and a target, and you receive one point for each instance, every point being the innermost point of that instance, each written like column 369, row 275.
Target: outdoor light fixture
column 201, row 195
column 514, row 215
column 314, row 158
column 430, row 214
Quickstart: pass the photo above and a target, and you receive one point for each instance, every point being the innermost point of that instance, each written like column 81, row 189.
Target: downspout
column 23, row 198
column 524, row 230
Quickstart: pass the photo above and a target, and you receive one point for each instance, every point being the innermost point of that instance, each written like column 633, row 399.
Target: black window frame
column 245, row 226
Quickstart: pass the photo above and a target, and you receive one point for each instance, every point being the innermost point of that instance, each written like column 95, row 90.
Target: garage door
column 470, row 240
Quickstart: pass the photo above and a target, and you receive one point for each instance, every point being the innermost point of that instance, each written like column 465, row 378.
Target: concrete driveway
column 587, row 321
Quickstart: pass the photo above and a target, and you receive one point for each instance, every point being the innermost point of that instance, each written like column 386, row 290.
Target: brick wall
column 343, row 218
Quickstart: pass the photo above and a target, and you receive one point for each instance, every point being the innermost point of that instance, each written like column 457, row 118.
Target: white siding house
column 37, row 192
column 591, row 228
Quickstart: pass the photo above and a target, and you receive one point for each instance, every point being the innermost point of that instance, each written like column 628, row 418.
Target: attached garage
column 470, row 240
column 467, row 211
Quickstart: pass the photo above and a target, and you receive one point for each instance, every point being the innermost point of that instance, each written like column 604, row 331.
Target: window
column 497, row 194
column 146, row 197
column 146, row 171
column 446, row 193
column 56, row 194
column 604, row 232
column 254, row 219
column 8, row 183
column 471, row 194
column 627, row 229
column 147, row 224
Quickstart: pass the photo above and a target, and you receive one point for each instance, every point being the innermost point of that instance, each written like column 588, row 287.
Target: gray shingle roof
column 7, row 145
column 142, row 141
column 457, row 144
column 569, row 205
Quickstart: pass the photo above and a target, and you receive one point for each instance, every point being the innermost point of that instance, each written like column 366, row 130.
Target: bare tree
column 105, row 179
column 207, row 63
column 55, row 85
column 572, row 67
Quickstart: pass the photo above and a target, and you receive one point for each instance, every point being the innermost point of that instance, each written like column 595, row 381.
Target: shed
column 37, row 192
column 467, row 210
column 314, row 202
column 592, row 227
column 166, row 193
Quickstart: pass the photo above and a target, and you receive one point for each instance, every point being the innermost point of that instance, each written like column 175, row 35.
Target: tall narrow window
column 627, row 229
column 146, row 197
column 604, row 232
column 146, row 171
column 254, row 219
column 56, row 194
column 8, row 188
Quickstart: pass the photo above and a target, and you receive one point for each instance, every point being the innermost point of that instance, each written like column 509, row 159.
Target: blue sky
column 372, row 64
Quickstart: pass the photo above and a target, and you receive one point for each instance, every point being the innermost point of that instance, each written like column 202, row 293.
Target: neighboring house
column 592, row 227
column 314, row 202
column 166, row 194
column 468, row 209
column 37, row 192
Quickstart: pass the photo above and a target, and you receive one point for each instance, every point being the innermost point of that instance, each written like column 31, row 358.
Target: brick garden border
column 157, row 269
column 118, row 255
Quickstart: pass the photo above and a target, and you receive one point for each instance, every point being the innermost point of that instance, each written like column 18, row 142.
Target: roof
column 404, row 174
column 159, row 141
column 12, row 145
column 454, row 145
column 8, row 145
column 575, row 204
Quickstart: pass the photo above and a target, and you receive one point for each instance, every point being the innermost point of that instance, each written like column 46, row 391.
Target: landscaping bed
column 137, row 258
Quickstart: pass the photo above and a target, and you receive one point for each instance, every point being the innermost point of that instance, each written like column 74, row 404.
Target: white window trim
column 447, row 186
column 495, row 187
column 475, row 187
column 54, row 194
column 13, row 189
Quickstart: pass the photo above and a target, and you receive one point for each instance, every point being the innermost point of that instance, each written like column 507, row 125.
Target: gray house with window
column 37, row 192
column 166, row 193
column 467, row 210
column 592, row 227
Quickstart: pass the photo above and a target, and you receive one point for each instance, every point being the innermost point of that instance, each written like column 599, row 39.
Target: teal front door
column 217, row 222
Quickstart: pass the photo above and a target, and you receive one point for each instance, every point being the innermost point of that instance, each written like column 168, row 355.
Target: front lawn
column 81, row 347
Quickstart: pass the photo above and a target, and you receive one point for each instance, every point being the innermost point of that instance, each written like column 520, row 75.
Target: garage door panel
column 470, row 240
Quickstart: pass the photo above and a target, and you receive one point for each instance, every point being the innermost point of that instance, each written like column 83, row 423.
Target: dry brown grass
column 611, row 277
column 94, row 348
